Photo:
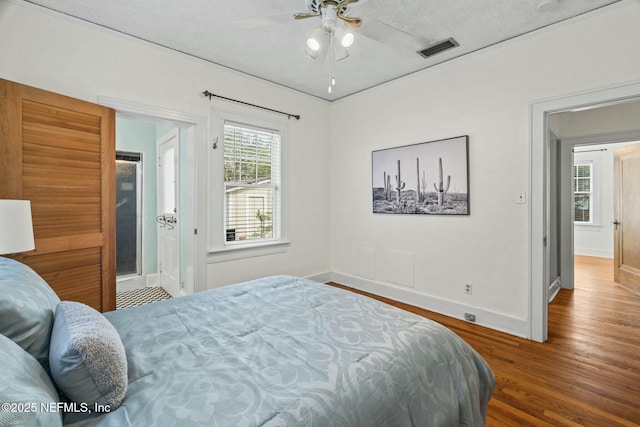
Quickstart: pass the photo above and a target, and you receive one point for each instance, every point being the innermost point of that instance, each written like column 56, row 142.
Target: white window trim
column 595, row 194
column 218, row 249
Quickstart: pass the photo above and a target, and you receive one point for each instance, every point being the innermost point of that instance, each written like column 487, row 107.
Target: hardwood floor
column 586, row 374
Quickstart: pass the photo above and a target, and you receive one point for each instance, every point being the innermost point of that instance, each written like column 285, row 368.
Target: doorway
column 136, row 219
column 584, row 190
column 594, row 216
column 541, row 120
column 140, row 129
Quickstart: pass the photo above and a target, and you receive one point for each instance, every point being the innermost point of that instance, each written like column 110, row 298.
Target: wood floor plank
column 586, row 374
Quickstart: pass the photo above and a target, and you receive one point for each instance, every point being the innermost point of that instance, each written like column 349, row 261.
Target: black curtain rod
column 588, row 151
column 213, row 95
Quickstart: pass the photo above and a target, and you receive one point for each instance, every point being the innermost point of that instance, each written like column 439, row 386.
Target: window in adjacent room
column 583, row 193
column 248, row 164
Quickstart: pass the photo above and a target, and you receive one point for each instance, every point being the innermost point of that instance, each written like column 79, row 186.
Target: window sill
column 235, row 252
column 587, row 227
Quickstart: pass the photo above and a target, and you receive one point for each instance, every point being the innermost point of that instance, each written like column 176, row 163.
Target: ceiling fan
column 331, row 39
column 364, row 25
column 333, row 8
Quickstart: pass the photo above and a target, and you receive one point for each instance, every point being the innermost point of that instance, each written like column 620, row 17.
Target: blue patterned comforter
column 285, row 351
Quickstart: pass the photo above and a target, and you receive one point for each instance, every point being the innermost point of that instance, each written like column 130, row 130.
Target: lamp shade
column 16, row 228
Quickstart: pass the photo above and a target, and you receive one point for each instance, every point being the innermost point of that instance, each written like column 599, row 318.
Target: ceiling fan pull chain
column 332, row 61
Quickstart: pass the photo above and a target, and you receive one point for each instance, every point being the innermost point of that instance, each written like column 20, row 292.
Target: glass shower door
column 128, row 218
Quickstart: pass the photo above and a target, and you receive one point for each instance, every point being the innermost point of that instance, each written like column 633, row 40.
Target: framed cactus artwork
column 429, row 178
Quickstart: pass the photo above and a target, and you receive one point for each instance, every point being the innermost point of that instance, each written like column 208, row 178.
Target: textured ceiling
column 261, row 38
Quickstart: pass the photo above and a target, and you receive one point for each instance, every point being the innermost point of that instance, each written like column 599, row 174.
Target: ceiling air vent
column 438, row 47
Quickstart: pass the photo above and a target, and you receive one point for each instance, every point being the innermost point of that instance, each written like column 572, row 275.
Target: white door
column 626, row 182
column 553, row 265
column 168, row 215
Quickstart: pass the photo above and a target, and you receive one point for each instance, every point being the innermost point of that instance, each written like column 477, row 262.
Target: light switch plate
column 521, row 198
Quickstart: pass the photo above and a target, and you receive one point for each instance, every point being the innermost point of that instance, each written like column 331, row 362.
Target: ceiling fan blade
column 342, row 8
column 352, row 22
column 345, row 3
column 383, row 33
column 305, row 15
column 262, row 21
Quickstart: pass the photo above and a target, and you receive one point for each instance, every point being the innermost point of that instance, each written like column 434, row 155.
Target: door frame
column 539, row 168
column 196, row 131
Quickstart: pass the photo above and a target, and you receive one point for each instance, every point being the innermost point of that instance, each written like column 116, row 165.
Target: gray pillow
column 87, row 358
column 26, row 389
column 27, row 307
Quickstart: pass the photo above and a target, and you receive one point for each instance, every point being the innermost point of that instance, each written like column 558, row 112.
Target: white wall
column 623, row 117
column 487, row 96
column 66, row 56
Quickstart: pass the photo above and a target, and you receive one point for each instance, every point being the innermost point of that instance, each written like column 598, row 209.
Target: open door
column 627, row 217
column 168, row 215
column 59, row 153
column 553, row 226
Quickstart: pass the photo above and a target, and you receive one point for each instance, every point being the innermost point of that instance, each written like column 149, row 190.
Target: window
column 247, row 184
column 251, row 183
column 583, row 193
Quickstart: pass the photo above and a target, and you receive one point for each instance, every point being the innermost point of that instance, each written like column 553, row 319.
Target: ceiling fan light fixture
column 340, row 53
column 317, row 43
column 331, row 39
column 347, row 39
column 313, row 44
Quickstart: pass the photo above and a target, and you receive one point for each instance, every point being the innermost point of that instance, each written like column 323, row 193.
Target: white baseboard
column 129, row 283
column 593, row 252
column 500, row 322
column 152, row 280
column 325, row 277
column 554, row 288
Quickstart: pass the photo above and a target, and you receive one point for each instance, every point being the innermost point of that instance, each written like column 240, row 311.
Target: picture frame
column 428, row 178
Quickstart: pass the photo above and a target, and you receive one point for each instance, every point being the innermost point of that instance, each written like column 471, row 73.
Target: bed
column 279, row 351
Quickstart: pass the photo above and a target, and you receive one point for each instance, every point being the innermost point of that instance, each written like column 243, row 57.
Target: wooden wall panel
column 74, row 275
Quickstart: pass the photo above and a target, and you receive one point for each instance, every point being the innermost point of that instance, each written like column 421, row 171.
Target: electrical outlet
column 470, row 317
column 468, row 288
